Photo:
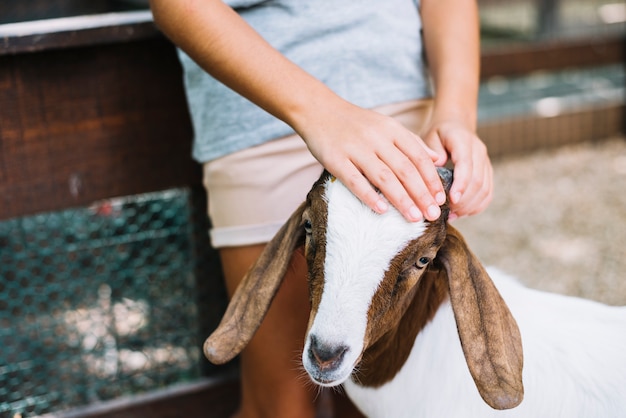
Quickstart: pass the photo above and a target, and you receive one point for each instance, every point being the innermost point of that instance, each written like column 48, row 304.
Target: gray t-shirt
column 367, row 51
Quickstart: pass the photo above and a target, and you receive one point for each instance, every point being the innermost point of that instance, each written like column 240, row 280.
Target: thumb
column 437, row 150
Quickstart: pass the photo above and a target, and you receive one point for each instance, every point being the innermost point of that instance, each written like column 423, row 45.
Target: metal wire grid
column 96, row 303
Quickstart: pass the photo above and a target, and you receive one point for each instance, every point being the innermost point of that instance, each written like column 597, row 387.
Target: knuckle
column 406, row 170
column 353, row 181
column 384, row 176
column 422, row 198
column 359, row 186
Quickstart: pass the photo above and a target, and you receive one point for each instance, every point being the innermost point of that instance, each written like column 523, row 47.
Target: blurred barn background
column 108, row 285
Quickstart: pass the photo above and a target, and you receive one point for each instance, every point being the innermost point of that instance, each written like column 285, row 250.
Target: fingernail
column 433, row 212
column 381, row 206
column 415, row 213
column 456, row 197
column 440, row 198
column 452, row 216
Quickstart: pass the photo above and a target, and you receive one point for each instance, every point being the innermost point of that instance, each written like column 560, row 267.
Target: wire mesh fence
column 97, row 302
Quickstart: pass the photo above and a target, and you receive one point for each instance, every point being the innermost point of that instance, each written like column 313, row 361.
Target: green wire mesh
column 97, row 303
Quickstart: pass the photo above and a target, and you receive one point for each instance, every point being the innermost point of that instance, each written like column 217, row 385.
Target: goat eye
column 422, row 262
column 308, row 228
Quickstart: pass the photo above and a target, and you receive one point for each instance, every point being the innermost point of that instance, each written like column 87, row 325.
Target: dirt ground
column 558, row 220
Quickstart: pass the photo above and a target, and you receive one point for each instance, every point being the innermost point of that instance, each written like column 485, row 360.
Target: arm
column 451, row 37
column 355, row 144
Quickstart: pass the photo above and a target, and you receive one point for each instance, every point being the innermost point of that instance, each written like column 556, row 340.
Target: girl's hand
column 472, row 189
column 365, row 149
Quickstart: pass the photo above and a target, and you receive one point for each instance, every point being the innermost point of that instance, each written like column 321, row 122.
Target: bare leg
column 273, row 384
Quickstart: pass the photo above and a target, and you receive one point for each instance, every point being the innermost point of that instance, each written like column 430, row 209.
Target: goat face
column 363, row 272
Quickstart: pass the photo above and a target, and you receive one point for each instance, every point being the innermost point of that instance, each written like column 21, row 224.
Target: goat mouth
column 326, row 381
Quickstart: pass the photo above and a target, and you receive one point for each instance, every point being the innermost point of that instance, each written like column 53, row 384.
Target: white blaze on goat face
column 360, row 245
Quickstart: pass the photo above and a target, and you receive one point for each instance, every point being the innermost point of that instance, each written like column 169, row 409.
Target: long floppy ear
column 255, row 293
column 491, row 340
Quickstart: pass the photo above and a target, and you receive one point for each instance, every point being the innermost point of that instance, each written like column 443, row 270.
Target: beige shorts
column 253, row 192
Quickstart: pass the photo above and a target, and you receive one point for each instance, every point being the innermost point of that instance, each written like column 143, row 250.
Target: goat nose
column 326, row 355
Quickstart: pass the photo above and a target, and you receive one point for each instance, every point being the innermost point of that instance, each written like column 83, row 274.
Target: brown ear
column 491, row 340
column 253, row 296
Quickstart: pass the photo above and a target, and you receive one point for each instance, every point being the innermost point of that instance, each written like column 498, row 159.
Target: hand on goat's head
column 363, row 266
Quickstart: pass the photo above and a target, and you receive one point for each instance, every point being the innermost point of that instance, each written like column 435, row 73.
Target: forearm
column 451, row 37
column 225, row 46
column 359, row 146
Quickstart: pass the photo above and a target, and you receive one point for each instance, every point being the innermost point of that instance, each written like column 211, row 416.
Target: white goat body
column 574, row 363
column 399, row 312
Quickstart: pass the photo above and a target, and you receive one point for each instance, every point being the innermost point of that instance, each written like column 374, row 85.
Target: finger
column 478, row 194
column 361, row 187
column 467, row 157
column 485, row 194
column 420, row 157
column 432, row 140
column 381, row 175
column 462, row 176
column 416, row 184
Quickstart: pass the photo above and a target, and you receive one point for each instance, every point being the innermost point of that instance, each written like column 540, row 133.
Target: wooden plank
column 523, row 134
column 79, row 125
column 76, row 31
column 552, row 55
column 209, row 398
column 216, row 397
column 23, row 10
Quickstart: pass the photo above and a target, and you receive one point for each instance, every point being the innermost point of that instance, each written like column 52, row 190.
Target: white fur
column 354, row 269
column 574, row 350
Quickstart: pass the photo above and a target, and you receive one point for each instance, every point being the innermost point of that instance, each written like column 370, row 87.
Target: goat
column 409, row 321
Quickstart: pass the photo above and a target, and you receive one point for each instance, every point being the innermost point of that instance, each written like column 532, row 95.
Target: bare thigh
column 273, row 382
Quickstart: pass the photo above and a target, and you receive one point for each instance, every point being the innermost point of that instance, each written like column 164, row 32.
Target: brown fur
column 315, row 246
column 384, row 359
